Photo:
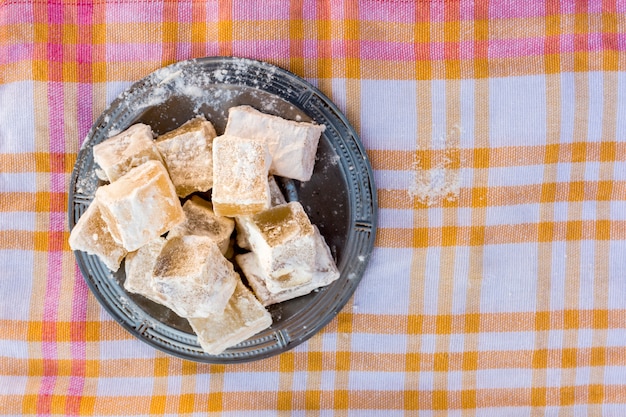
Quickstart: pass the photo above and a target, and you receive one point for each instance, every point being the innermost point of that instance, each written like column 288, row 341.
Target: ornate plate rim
column 242, row 72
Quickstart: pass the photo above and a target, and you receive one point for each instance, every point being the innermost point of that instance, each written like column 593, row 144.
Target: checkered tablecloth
column 497, row 135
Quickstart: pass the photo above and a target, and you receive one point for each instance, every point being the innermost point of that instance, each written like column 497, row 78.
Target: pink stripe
column 380, row 11
column 134, row 12
column 16, row 53
column 85, row 113
column 55, row 13
column 262, row 49
column 184, row 12
column 621, row 42
column 279, row 10
column 395, row 51
column 466, row 10
column 133, row 52
column 516, row 47
column 512, row 9
column 466, row 50
column 309, row 10
column 212, row 11
column 437, row 51
column 15, row 13
column 437, row 11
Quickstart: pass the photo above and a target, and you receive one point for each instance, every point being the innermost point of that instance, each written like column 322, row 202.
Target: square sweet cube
column 240, row 170
column 188, row 155
column 139, row 266
column 193, row 277
column 120, row 153
column 282, row 237
column 200, row 219
column 243, row 317
column 91, row 235
column 276, row 198
column 140, row 206
column 324, row 273
column 292, row 144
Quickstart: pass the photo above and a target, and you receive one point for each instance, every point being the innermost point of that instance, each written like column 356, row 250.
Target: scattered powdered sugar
column 442, row 181
column 87, row 184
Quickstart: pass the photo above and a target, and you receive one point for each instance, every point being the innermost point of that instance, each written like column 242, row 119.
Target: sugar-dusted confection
column 243, row 317
column 324, row 272
column 240, row 170
column 91, row 235
column 140, row 205
column 139, row 266
column 283, row 239
column 276, row 198
column 120, row 153
column 200, row 219
column 193, row 277
column 292, row 144
column 188, row 155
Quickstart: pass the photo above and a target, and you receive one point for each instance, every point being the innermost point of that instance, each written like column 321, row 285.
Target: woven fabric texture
column 497, row 136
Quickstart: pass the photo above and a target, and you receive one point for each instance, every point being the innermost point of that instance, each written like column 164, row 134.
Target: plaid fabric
column 497, row 134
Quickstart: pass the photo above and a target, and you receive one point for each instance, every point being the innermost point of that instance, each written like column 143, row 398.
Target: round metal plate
column 340, row 198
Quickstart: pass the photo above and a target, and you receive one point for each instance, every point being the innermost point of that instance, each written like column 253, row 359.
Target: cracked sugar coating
column 200, row 219
column 139, row 266
column 188, row 155
column 140, row 206
column 91, row 235
column 293, row 145
column 193, row 277
column 324, row 273
column 243, row 317
column 282, row 237
column 240, row 171
column 120, row 153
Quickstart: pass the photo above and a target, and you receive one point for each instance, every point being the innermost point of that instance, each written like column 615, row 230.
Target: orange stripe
column 562, row 396
column 466, row 361
column 225, row 31
column 473, row 323
column 571, row 231
column 514, row 195
column 509, row 156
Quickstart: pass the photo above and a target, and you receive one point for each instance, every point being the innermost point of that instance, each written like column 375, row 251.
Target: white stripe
column 24, row 182
column 597, row 102
column 568, row 107
column 515, row 175
column 503, row 378
column 506, row 341
column 376, row 381
column 393, row 180
column 510, row 278
column 124, row 349
column 13, row 349
column 122, row 386
column 620, row 130
column 17, row 122
column 395, row 218
column 379, row 343
column 254, row 381
column 21, row 220
column 509, row 215
column 384, row 288
column 379, row 128
column 13, row 385
column 16, row 284
column 517, row 111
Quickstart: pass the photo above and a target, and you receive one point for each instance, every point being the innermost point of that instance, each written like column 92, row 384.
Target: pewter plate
column 340, row 198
